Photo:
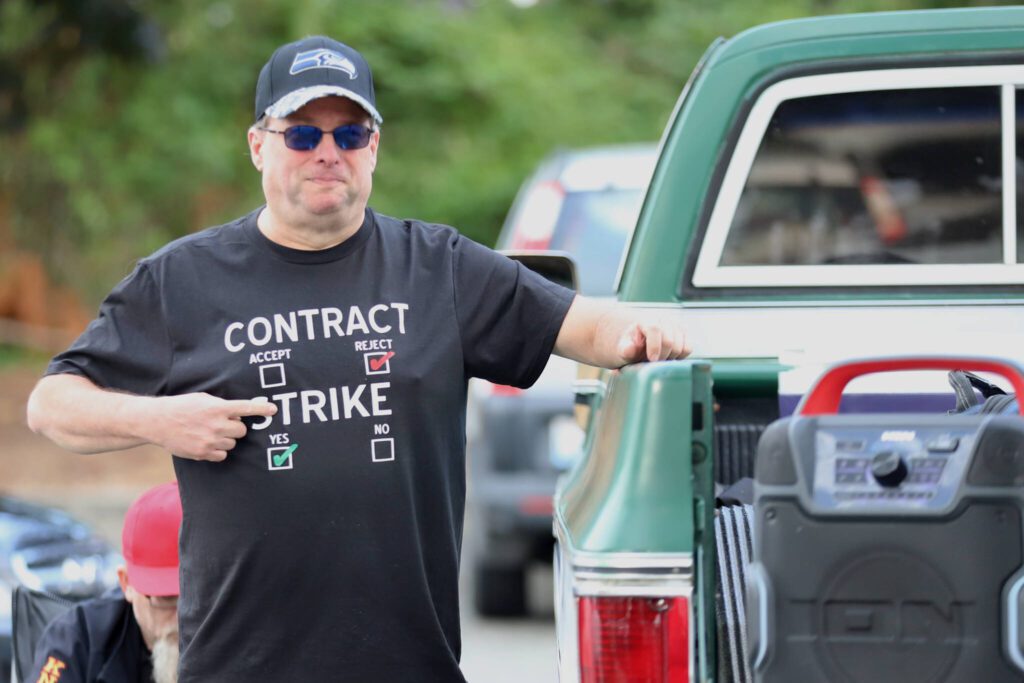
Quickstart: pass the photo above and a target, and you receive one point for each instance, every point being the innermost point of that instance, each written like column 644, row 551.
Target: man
column 131, row 636
column 307, row 364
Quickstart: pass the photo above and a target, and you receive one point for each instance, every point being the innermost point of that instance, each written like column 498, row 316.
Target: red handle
column 824, row 396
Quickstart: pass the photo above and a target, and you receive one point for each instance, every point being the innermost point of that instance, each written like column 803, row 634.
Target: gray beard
column 165, row 660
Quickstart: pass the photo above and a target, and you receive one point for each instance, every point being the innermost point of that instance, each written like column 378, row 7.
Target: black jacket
column 98, row 641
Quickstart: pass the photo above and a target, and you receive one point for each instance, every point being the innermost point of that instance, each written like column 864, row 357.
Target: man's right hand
column 200, row 426
column 81, row 417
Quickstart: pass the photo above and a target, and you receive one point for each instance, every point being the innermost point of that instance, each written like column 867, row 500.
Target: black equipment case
column 889, row 547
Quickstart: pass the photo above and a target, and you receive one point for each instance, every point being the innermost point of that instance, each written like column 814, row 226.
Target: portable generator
column 889, row 547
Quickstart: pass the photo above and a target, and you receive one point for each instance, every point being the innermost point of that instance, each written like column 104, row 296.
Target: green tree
column 122, row 122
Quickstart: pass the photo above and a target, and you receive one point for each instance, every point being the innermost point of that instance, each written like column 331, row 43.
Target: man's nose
column 328, row 151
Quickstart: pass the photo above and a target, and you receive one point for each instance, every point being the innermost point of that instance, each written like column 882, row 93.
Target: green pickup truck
column 826, row 188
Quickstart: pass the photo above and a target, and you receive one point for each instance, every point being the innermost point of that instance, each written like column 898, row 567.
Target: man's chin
column 165, row 659
column 332, row 201
column 329, row 206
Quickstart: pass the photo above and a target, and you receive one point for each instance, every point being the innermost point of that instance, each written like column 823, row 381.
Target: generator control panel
column 897, row 467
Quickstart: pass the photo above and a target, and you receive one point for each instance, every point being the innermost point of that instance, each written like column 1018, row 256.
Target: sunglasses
column 306, row 138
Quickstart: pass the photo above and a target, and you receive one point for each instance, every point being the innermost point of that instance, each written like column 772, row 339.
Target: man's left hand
column 651, row 341
column 610, row 335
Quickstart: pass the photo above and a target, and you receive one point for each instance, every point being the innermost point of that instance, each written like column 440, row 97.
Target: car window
column 879, row 177
column 593, row 227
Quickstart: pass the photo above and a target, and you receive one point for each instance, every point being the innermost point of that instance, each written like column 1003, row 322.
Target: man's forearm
column 77, row 415
column 589, row 334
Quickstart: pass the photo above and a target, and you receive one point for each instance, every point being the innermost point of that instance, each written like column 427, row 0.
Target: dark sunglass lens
column 302, row 138
column 352, row 136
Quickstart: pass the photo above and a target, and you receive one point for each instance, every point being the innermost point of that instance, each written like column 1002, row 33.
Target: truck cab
column 826, row 188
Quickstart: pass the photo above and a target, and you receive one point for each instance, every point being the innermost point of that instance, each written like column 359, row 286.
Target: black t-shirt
column 327, row 544
column 97, row 641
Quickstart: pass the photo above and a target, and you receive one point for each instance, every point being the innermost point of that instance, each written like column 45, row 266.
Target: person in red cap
column 131, row 635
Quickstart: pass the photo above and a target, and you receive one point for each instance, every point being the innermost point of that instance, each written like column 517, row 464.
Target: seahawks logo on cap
column 322, row 58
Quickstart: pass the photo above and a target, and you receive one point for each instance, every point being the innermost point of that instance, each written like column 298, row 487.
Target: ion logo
column 906, row 623
column 887, row 615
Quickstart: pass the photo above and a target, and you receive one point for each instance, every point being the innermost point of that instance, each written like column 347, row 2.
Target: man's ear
column 122, row 578
column 374, row 143
column 255, row 138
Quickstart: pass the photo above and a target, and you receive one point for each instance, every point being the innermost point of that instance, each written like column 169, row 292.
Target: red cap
column 149, row 540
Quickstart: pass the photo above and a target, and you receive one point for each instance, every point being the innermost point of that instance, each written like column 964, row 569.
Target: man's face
column 157, row 616
column 309, row 188
column 158, row 620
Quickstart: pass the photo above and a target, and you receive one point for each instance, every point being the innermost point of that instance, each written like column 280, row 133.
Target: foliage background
column 122, row 122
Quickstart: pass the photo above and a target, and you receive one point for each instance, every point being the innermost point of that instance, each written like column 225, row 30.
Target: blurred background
column 122, row 126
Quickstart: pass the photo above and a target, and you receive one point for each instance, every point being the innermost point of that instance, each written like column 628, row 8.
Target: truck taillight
column 634, row 640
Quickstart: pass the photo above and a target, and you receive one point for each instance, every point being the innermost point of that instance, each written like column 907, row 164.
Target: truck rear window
column 878, row 177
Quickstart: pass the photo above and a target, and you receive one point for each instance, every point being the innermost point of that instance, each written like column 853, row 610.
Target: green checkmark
column 282, row 457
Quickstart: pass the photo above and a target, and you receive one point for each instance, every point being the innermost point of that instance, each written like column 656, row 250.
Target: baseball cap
column 149, row 540
column 309, row 69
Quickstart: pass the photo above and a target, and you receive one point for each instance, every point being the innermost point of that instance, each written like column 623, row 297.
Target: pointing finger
column 251, row 408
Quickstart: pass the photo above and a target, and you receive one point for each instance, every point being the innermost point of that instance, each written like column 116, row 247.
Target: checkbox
column 378, row 362
column 383, row 449
column 275, row 461
column 272, row 375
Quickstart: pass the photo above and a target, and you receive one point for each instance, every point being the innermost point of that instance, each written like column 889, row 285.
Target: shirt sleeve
column 127, row 346
column 62, row 652
column 509, row 316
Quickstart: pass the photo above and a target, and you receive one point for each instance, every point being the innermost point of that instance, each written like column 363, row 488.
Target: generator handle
column 824, row 396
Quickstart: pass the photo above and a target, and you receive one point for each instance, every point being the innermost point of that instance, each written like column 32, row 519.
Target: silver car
column 583, row 203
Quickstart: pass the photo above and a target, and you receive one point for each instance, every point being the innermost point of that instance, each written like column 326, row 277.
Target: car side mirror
column 556, row 266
